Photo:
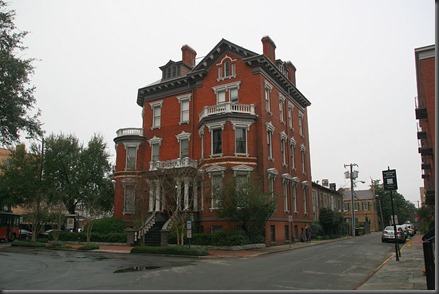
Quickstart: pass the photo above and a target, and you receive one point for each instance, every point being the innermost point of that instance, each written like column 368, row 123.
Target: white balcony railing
column 130, row 132
column 227, row 108
column 175, row 163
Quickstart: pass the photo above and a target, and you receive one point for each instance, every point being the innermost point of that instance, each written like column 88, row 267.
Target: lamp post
column 352, row 175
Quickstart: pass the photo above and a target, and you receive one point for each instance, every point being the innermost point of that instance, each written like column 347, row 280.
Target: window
column 270, row 130
column 155, row 148
column 272, row 173
column 295, row 197
column 285, row 194
column 270, row 144
column 267, row 98
column 301, row 124
column 227, row 92
column 155, row 152
column 131, row 157
column 305, row 199
column 217, row 147
column 184, row 107
column 290, row 116
column 281, row 107
column 233, row 95
column 226, row 68
column 217, row 185
column 156, row 113
column 241, row 140
column 293, row 158
column 302, row 152
column 184, row 148
column 128, row 199
column 221, row 96
column 283, row 140
column 184, row 138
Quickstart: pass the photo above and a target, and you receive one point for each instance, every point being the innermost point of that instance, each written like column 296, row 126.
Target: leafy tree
column 405, row 210
column 78, row 175
column 245, row 202
column 21, row 184
column 330, row 221
column 16, row 95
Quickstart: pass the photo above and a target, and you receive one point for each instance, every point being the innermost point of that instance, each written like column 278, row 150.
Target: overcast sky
column 355, row 63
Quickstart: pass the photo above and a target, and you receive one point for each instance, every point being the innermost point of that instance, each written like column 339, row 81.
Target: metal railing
column 429, row 246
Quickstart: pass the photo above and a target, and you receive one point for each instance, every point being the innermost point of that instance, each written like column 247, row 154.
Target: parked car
column 388, row 234
column 46, row 233
column 25, row 234
column 410, row 229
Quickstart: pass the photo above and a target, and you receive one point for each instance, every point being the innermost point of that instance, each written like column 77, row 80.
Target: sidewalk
column 405, row 274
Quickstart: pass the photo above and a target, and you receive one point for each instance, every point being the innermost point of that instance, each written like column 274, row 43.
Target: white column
column 151, row 197
column 195, row 193
column 178, row 193
column 186, row 193
column 157, row 196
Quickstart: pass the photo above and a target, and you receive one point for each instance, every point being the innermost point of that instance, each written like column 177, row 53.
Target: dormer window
column 226, row 68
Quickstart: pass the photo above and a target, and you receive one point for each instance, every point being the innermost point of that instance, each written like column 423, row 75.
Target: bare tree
column 172, row 188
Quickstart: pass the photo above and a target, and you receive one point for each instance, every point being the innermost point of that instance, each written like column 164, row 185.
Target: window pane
column 155, row 152
column 131, row 158
column 156, row 114
column 185, row 110
column 184, row 147
column 241, row 146
column 221, row 96
column 234, row 95
column 216, row 141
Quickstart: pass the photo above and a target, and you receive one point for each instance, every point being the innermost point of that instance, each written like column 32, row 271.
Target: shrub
column 108, row 225
column 177, row 250
column 28, row 243
column 88, row 247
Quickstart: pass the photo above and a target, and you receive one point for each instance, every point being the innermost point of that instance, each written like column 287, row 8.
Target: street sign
column 290, row 218
column 389, row 179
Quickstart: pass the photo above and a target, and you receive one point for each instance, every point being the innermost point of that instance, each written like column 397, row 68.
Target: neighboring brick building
column 366, row 214
column 425, row 113
column 324, row 196
column 233, row 113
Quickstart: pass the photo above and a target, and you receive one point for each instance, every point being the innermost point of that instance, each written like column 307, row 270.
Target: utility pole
column 352, row 175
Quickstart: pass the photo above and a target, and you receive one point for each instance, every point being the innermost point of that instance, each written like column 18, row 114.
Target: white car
column 389, row 234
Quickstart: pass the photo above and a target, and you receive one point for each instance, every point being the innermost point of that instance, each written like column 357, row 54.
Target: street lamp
column 352, row 175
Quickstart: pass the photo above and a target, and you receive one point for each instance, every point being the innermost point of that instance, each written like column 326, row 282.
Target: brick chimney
column 291, row 72
column 188, row 56
column 269, row 48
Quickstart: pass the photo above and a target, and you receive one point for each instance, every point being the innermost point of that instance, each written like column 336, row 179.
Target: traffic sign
column 389, row 179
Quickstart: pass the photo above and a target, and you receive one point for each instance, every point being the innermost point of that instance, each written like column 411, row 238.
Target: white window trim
column 241, row 124
column 301, row 116
column 181, row 99
column 183, row 136
column 154, row 105
column 282, row 108
column 270, row 132
column 225, row 88
column 127, row 145
column 290, row 116
column 269, row 87
column 214, row 170
column 220, row 66
column 215, row 126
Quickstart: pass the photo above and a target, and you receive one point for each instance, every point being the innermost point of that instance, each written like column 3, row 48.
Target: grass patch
column 176, row 250
column 88, row 247
column 28, row 243
column 57, row 246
